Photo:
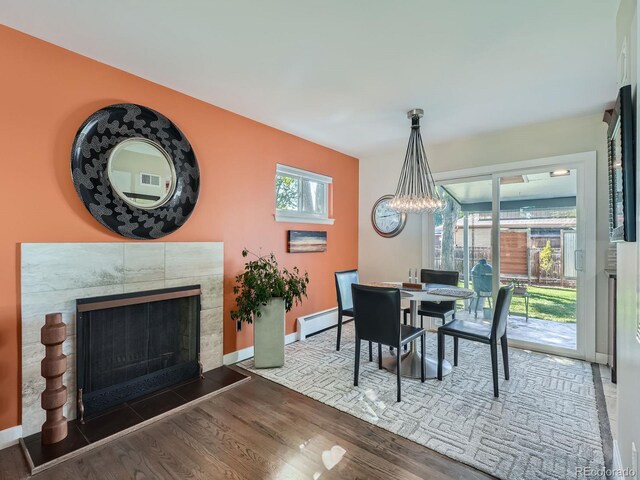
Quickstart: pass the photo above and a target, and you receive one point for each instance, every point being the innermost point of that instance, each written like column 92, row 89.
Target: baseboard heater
column 315, row 322
column 307, row 325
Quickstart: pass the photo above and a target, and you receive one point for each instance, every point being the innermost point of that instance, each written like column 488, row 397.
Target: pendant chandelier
column 416, row 192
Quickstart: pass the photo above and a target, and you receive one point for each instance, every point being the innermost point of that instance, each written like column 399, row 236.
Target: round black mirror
column 135, row 171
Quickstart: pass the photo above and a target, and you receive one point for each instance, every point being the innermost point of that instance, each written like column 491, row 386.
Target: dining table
column 411, row 359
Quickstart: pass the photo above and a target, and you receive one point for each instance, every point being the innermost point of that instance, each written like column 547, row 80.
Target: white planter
column 268, row 335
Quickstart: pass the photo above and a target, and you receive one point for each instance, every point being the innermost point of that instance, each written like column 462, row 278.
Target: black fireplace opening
column 134, row 344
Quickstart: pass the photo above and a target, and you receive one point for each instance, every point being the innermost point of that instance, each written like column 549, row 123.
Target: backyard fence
column 562, row 272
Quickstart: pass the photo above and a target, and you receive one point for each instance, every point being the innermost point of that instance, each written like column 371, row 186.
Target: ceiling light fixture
column 416, row 192
column 512, row 180
column 559, row 173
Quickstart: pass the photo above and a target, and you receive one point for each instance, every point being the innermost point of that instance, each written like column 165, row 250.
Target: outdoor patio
column 557, row 334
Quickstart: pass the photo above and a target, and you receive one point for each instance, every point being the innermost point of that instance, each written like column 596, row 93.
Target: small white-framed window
column 302, row 196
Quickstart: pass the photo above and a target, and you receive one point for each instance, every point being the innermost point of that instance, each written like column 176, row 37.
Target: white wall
column 385, row 259
column 628, row 346
column 390, row 258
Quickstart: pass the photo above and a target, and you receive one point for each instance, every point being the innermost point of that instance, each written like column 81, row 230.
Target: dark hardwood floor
column 258, row 430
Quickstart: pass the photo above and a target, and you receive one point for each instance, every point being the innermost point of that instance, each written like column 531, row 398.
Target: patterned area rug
column 544, row 425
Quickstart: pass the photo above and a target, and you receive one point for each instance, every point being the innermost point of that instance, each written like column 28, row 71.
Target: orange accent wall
column 46, row 92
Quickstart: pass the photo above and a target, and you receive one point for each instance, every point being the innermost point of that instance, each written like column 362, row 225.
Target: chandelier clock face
column 386, row 221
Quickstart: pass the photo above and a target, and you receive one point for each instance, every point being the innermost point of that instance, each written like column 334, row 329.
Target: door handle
column 578, row 259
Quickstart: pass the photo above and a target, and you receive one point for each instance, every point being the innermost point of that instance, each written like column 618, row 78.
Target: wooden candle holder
column 52, row 368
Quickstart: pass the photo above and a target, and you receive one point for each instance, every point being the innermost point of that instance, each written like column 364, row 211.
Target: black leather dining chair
column 477, row 332
column 443, row 310
column 376, row 318
column 344, row 280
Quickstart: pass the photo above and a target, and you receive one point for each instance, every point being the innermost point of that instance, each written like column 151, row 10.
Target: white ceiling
column 534, row 186
column 343, row 73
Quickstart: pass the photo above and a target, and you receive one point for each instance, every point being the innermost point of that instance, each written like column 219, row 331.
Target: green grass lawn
column 548, row 303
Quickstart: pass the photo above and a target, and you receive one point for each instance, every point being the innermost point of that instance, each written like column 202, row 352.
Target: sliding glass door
column 526, row 227
column 538, row 248
column 463, row 237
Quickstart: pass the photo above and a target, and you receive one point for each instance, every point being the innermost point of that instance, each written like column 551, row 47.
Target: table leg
column 410, row 361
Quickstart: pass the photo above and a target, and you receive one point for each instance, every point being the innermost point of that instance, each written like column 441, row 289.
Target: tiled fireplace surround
column 54, row 275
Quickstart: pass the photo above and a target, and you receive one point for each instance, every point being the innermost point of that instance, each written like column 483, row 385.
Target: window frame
column 298, row 216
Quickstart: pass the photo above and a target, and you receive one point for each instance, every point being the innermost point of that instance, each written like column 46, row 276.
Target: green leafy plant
column 263, row 280
column 546, row 258
column 286, row 193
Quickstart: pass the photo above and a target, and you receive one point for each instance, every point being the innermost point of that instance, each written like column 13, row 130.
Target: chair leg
column 406, row 316
column 356, row 368
column 494, row 367
column 505, row 355
column 440, row 354
column 455, row 351
column 422, row 372
column 370, row 352
column 398, row 373
column 339, row 331
column 406, row 345
column 379, row 356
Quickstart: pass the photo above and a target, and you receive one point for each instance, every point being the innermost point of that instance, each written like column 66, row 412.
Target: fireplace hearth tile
column 157, row 404
column 130, row 417
column 215, row 379
column 110, row 423
column 224, row 376
column 195, row 389
column 42, row 454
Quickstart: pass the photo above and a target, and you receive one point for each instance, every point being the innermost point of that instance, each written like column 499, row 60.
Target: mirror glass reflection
column 141, row 173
